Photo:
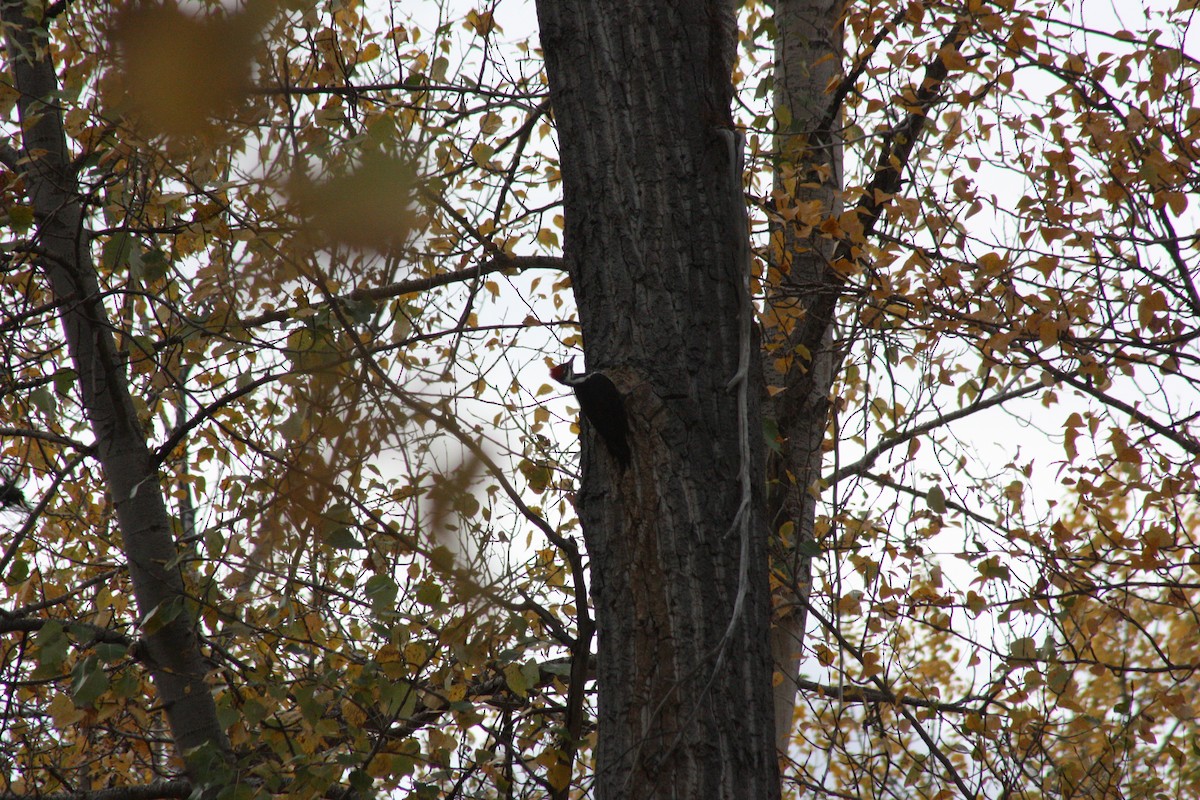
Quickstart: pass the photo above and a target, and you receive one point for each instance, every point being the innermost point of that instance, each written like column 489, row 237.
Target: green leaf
column 362, row 311
column 254, row 712
column 117, row 252
column 538, row 475
column 531, row 672
column 342, row 539
column 399, row 699
column 1024, row 649
column 18, row 572
column 88, row 682
column 1059, row 679
column 154, row 266
column 293, row 427
column 361, row 783
column 466, row 504
column 514, row 676
column 429, row 594
column 771, row 434
column 50, row 649
column 127, row 685
column 20, row 218
column 783, row 115
column 64, row 382
column 42, row 400
column 935, row 498
column 381, row 591
column 442, row 557
column 109, row 652
column 162, row 615
column 808, row 548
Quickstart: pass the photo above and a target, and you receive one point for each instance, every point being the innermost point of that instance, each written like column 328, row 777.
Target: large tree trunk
column 808, row 62
column 656, row 241
column 171, row 650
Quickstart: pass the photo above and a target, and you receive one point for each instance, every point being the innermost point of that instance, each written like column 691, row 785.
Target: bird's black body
column 10, row 495
column 602, row 404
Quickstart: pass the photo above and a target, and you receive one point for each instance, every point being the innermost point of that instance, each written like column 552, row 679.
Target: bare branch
column 498, row 263
column 868, row 460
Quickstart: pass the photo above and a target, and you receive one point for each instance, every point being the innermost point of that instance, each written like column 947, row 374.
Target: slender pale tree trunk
column 656, row 242
column 808, row 63
column 171, row 650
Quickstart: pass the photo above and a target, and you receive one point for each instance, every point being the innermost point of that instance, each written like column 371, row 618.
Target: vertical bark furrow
column 641, row 97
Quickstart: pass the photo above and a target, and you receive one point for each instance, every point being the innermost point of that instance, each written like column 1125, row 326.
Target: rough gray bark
column 171, row 650
column 808, row 61
column 655, row 240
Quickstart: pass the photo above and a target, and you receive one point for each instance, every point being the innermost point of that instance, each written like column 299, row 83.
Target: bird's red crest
column 559, row 372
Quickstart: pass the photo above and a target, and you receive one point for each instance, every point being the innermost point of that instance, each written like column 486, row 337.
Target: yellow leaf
column 415, row 654
column 1059, row 679
column 369, row 53
column 20, row 217
column 1069, row 437
column 559, row 774
column 1151, row 303
column 482, row 153
column 990, row 263
column 354, row 714
column 850, row 604
column 1024, row 649
column 825, row 656
column 63, row 711
column 490, row 123
column 481, row 23
column 976, row 604
column 1048, row 333
column 516, row 680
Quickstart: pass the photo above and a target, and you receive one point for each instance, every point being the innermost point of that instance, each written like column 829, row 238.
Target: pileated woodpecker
column 10, row 495
column 601, row 402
